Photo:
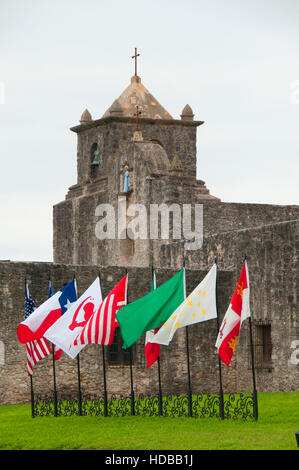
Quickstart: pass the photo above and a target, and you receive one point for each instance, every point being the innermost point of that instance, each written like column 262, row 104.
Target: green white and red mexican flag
column 150, row 311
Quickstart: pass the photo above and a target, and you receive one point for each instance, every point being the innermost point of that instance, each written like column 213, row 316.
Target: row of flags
column 70, row 323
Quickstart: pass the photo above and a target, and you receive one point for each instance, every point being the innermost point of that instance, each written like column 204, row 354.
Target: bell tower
column 137, row 135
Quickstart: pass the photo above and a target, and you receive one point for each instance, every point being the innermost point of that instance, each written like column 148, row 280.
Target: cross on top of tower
column 135, row 57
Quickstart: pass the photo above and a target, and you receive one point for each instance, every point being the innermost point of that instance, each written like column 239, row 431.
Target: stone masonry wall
column 272, row 256
column 74, row 220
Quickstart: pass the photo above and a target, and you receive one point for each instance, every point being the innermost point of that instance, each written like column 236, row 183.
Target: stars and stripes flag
column 51, row 290
column 100, row 327
column 36, row 349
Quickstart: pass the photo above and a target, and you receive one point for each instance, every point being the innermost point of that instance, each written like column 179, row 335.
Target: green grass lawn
column 275, row 430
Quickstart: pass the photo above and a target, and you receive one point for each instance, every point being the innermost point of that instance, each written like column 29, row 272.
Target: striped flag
column 100, row 327
column 36, row 349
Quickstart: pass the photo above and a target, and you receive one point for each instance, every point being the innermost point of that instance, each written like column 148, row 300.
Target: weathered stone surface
column 137, row 95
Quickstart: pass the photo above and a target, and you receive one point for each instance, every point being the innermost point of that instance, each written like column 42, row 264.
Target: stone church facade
column 158, row 155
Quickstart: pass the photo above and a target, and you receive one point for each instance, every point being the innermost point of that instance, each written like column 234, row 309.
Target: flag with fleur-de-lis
column 198, row 307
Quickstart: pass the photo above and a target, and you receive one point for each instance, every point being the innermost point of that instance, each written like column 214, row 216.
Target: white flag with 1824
column 199, row 306
column 67, row 328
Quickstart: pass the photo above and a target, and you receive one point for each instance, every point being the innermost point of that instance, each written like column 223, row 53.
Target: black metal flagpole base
column 79, row 388
column 254, row 393
column 189, row 376
column 54, row 381
column 255, row 407
column 160, row 397
column 132, row 387
column 32, row 397
column 105, row 384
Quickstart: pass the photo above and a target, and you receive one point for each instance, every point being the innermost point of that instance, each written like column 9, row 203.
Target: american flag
column 36, row 349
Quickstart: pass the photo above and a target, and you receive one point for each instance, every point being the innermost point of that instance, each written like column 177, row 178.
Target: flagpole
column 254, row 394
column 54, row 371
column 105, row 384
column 54, row 381
column 79, row 386
column 131, row 368
column 255, row 407
column 187, row 350
column 221, row 401
column 160, row 399
column 104, row 372
column 32, row 397
column 189, row 376
column 160, row 396
column 78, row 372
column 31, row 378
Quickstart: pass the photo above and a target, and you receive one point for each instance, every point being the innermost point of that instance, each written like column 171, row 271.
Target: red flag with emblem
column 238, row 310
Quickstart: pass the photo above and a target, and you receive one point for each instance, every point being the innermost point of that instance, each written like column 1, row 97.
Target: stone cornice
column 109, row 119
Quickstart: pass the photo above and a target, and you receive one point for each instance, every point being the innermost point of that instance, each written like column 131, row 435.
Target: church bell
column 96, row 160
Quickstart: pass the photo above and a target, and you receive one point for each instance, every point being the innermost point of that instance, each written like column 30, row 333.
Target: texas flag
column 237, row 312
column 43, row 317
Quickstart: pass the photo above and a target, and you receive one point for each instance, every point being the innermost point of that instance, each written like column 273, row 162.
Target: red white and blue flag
column 39, row 348
column 43, row 317
column 35, row 351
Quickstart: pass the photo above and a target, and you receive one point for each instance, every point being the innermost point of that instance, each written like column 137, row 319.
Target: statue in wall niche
column 176, row 165
column 126, row 179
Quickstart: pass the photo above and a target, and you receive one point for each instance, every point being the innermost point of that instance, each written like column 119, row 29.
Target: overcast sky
column 235, row 62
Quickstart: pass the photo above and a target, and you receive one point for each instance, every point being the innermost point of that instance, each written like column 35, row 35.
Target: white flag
column 66, row 329
column 199, row 306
